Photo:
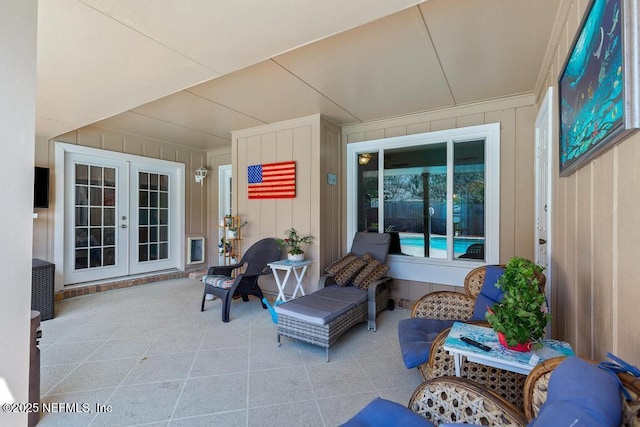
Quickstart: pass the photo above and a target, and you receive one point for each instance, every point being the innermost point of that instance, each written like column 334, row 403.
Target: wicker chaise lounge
column 322, row 317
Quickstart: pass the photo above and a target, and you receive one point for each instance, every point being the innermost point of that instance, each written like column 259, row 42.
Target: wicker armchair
column 459, row 306
column 451, row 306
column 451, row 399
column 537, row 384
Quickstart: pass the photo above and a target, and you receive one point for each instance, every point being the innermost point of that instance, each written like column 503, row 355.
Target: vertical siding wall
column 313, row 143
column 215, row 159
column 196, row 220
column 517, row 182
column 596, row 231
column 331, row 160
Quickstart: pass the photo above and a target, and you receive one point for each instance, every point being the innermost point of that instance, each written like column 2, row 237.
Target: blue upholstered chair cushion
column 385, row 413
column 489, row 294
column 224, row 282
column 416, row 336
column 581, row 394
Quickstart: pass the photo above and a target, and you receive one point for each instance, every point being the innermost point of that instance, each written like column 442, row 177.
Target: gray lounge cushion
column 375, row 244
column 314, row 308
column 349, row 294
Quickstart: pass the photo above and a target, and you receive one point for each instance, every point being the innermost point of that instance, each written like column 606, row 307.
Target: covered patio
column 146, row 355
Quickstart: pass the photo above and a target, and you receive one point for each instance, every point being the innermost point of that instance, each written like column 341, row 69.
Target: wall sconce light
column 364, row 158
column 201, row 174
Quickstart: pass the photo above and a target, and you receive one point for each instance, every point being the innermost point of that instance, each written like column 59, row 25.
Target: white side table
column 298, row 268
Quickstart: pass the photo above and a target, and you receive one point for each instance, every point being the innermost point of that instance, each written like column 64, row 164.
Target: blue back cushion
column 489, row 294
column 416, row 335
column 581, row 394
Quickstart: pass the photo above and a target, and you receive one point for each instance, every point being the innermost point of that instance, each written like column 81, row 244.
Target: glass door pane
column 153, row 216
column 95, row 212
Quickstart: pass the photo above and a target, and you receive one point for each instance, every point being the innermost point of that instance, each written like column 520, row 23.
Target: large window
column 437, row 194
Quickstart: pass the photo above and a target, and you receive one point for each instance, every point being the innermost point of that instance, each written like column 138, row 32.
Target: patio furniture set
column 354, row 290
column 423, row 335
column 462, row 383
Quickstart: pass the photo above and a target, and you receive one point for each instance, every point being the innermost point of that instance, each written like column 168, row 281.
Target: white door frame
column 224, row 193
column 544, row 129
column 61, row 149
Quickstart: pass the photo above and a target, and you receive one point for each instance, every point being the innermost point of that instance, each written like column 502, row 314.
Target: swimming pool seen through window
column 436, row 193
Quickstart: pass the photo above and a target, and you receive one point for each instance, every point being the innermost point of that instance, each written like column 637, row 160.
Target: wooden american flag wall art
column 272, row 180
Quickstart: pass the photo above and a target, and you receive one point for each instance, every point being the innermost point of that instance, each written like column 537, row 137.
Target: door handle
column 542, row 241
column 123, row 226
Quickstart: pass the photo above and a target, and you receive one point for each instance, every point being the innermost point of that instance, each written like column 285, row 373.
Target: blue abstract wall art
column 592, row 86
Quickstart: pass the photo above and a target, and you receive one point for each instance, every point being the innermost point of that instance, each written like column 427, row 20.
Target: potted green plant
column 521, row 317
column 232, row 232
column 293, row 244
column 224, row 246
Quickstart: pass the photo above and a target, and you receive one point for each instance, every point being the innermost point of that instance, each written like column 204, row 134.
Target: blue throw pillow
column 581, row 394
column 385, row 413
column 489, row 294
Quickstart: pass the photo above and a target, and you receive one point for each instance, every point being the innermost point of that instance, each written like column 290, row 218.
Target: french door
column 121, row 216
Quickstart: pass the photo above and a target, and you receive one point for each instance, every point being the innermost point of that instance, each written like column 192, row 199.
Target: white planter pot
column 296, row 257
column 232, row 234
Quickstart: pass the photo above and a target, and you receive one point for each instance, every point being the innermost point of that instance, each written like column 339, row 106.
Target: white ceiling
column 191, row 72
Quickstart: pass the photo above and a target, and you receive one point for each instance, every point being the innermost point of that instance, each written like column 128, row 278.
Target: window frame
column 442, row 271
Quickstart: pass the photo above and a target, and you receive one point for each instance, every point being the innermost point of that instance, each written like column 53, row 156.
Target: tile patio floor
column 150, row 355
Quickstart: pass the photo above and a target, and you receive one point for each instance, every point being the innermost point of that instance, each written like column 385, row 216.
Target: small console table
column 498, row 356
column 298, row 268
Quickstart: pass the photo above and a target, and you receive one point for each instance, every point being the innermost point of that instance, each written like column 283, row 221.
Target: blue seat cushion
column 385, row 413
column 416, row 336
column 581, row 394
column 489, row 294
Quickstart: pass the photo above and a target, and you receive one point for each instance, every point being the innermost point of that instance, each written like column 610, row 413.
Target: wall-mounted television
column 41, row 188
